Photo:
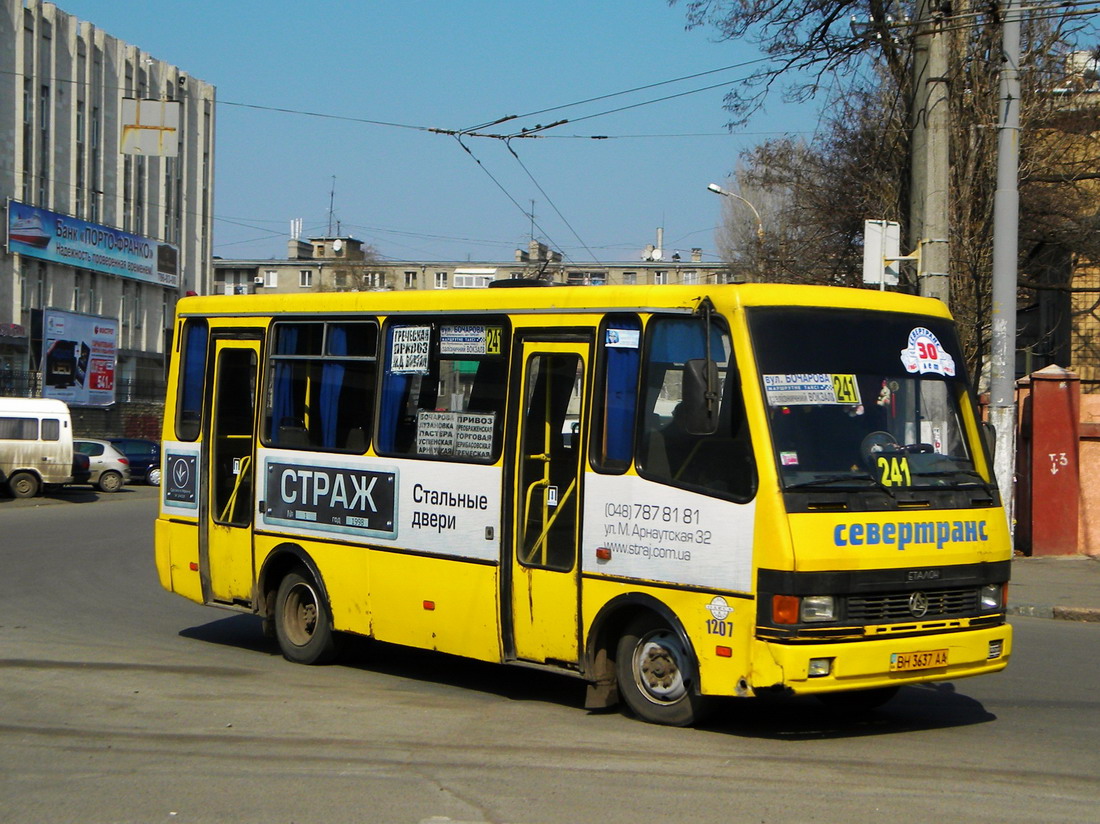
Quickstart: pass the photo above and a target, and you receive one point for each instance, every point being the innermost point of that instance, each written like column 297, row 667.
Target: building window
column 630, row 278
column 410, row 280
column 660, row 278
column 374, row 280
column 440, row 280
column 690, row 277
column 78, row 291
column 468, row 281
column 305, row 278
column 127, row 308
column 93, row 183
column 271, row 278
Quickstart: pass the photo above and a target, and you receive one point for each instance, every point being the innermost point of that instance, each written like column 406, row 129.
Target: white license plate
column 926, row 659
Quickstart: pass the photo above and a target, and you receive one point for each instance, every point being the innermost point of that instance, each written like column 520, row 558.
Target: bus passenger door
column 227, row 560
column 547, row 460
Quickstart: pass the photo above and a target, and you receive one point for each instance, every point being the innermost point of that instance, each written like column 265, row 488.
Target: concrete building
column 340, row 264
column 98, row 223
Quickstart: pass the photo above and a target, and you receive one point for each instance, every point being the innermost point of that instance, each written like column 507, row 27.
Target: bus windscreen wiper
column 858, row 480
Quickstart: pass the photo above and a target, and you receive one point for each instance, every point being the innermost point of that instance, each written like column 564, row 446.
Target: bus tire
column 23, row 485
column 857, row 701
column 655, row 673
column 303, row 621
column 109, row 482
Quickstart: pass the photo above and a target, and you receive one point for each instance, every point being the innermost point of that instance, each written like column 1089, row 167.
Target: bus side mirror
column 989, row 432
column 700, row 397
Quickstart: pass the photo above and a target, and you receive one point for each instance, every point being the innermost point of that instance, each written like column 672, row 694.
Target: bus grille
column 894, row 606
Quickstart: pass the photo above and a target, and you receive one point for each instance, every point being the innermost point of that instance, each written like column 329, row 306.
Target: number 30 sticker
column 924, row 354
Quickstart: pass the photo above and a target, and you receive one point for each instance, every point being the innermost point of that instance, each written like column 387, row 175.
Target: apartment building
column 100, row 222
column 340, row 264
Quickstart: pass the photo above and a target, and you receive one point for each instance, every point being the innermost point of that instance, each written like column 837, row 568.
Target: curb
column 1086, row 614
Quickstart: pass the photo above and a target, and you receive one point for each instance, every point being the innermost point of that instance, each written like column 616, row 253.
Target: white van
column 36, row 445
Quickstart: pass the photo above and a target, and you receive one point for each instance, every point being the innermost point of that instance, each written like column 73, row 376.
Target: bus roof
column 567, row 299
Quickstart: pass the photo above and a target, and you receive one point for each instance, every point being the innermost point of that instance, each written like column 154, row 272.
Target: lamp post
column 718, row 190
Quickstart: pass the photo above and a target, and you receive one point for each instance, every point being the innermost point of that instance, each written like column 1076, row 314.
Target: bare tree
column 858, row 56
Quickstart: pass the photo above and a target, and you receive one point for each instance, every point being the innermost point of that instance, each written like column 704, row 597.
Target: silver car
column 110, row 468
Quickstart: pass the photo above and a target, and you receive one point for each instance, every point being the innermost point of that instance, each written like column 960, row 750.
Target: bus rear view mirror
column 700, row 397
column 990, row 433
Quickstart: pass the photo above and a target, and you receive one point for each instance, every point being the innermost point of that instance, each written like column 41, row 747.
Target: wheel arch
column 610, row 623
column 282, row 559
column 23, row 470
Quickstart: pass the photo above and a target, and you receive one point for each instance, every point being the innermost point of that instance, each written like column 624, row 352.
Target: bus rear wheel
column 303, row 621
column 23, row 485
column 655, row 672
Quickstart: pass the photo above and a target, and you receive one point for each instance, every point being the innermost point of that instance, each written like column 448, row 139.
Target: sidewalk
column 1056, row 587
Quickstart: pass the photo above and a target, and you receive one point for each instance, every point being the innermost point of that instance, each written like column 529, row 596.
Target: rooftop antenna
column 331, row 198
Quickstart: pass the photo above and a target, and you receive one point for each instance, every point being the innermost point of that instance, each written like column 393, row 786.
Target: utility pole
column 931, row 120
column 1006, row 220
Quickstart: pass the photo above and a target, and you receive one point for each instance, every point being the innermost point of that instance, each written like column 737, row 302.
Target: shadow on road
column 922, row 707
column 915, row 708
column 73, row 495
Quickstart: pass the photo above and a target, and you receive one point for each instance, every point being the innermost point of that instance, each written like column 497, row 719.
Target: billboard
column 150, row 127
column 46, row 235
column 79, row 353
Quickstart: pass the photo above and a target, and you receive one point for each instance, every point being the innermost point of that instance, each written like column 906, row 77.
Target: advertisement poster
column 46, row 235
column 78, row 358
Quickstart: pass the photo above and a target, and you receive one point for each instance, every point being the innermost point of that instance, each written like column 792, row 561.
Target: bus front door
column 230, row 443
column 547, row 465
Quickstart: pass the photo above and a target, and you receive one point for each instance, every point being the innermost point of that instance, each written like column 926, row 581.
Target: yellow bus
column 673, row 492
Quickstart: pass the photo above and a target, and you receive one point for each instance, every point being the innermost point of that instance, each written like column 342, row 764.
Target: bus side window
column 192, row 379
column 322, row 378
column 721, row 463
column 614, row 408
column 443, row 390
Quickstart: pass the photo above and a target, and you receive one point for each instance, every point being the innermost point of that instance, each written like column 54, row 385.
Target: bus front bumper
column 811, row 668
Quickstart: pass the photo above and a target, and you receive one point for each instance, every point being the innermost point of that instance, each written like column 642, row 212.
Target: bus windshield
column 864, row 400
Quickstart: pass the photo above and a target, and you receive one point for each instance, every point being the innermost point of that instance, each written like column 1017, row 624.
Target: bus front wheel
column 303, row 621
column 654, row 672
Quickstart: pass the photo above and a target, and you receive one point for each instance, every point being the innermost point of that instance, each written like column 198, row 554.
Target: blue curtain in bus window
column 394, row 388
column 332, row 382
column 195, row 367
column 189, row 419
column 622, row 393
column 282, row 402
column 676, row 340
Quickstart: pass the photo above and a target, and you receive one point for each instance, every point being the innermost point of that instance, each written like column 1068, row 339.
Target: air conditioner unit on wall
column 258, row 280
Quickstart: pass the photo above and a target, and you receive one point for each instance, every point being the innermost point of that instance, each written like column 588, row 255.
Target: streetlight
column 718, row 190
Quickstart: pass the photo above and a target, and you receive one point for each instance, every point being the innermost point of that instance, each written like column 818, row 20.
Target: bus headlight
column 816, row 608
column 990, row 596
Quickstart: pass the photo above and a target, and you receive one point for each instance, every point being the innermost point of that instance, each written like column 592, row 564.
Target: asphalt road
column 122, row 703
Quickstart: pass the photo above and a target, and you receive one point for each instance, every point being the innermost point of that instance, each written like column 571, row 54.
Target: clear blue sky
column 454, row 64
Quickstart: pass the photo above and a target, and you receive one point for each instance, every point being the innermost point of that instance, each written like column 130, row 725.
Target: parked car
column 82, row 468
column 110, row 468
column 144, row 458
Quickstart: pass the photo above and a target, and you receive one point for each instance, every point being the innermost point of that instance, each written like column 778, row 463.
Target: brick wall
column 123, row 420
